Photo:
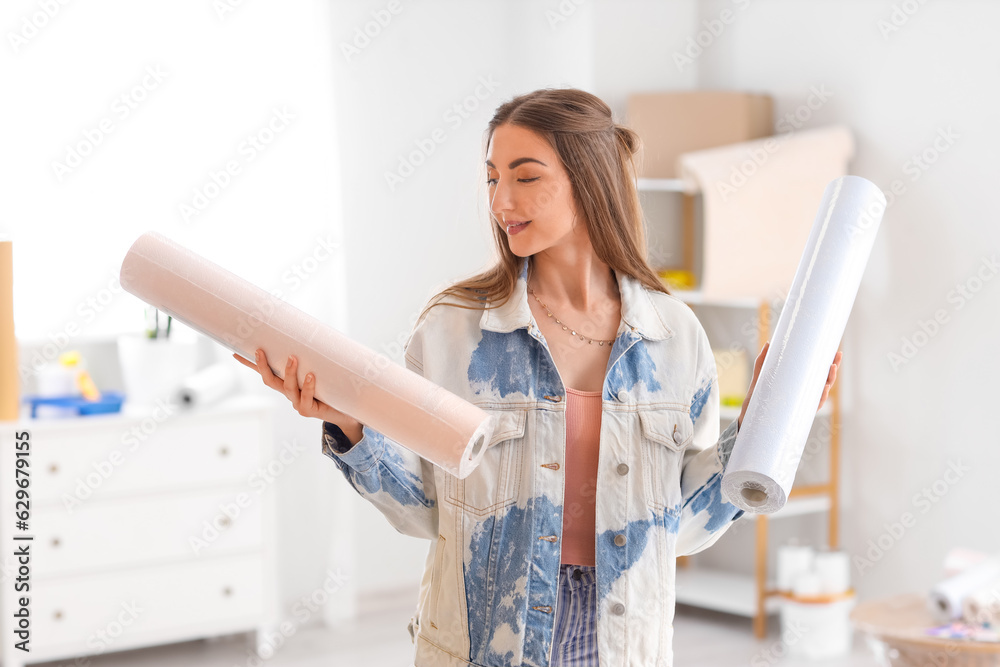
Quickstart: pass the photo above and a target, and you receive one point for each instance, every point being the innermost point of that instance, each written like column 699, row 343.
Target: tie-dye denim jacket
column 488, row 592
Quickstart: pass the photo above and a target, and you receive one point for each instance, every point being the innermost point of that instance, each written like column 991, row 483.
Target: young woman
column 607, row 458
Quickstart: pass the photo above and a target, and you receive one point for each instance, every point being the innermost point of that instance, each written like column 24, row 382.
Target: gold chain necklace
column 566, row 328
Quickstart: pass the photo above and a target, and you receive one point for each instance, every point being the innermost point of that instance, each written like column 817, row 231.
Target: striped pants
column 574, row 640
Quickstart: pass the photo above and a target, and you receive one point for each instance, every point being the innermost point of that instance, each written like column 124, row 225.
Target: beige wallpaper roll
column 759, row 197
column 983, row 606
column 9, row 389
column 422, row 416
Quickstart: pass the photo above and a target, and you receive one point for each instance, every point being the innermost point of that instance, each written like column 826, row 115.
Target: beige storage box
column 671, row 123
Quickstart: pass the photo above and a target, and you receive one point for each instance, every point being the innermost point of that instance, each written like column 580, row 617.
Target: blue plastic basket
column 110, row 401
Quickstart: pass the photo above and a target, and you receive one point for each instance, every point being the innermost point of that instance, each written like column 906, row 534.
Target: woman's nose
column 501, row 202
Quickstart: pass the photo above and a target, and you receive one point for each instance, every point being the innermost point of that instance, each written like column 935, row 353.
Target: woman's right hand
column 302, row 398
column 831, row 377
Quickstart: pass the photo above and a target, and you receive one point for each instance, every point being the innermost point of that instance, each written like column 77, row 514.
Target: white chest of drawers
column 147, row 529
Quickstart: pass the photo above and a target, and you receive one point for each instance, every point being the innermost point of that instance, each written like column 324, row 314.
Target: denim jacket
column 489, row 590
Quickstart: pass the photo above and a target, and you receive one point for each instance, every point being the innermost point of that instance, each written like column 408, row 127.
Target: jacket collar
column 638, row 310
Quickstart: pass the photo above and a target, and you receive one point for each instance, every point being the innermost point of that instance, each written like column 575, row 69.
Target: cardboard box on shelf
column 674, row 122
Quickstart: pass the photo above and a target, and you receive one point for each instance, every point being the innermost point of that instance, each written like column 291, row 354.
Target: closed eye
column 493, row 181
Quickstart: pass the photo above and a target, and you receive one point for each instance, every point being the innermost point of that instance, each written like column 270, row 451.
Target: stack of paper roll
column 804, row 572
column 816, row 600
column 833, row 567
column 794, row 559
column 970, row 595
column 9, row 388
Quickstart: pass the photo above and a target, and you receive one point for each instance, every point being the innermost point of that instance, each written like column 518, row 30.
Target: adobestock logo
column 363, row 35
column 923, row 501
column 562, row 13
column 927, row 329
column 219, row 180
column 757, row 157
column 711, row 30
column 121, row 108
column 32, row 25
column 457, row 114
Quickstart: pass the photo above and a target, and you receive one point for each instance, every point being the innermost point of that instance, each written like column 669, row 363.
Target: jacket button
column 547, row 609
column 549, row 538
column 620, row 539
column 554, row 399
column 618, row 609
column 622, row 395
column 622, row 468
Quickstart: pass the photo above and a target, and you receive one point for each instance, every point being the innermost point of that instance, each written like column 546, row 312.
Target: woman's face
column 528, row 184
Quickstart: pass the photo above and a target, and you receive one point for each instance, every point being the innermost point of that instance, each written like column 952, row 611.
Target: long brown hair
column 599, row 156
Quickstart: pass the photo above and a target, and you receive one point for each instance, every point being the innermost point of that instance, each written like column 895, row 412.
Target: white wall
column 634, row 42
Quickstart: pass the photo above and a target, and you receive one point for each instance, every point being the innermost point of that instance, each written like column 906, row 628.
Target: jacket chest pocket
column 494, row 484
column 665, row 434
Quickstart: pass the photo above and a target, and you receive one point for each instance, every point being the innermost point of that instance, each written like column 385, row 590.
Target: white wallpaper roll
column 420, row 415
column 769, row 445
column 946, row 598
column 207, row 385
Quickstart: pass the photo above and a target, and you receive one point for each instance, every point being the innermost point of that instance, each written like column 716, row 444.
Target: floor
column 379, row 639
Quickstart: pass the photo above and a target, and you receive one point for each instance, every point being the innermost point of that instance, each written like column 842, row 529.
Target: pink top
column 583, row 437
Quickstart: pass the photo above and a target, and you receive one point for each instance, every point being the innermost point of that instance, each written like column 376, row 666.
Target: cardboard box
column 672, row 123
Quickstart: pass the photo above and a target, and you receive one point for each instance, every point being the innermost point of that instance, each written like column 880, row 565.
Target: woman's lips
column 515, row 228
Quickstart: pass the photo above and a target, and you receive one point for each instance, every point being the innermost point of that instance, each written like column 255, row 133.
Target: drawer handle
column 223, row 451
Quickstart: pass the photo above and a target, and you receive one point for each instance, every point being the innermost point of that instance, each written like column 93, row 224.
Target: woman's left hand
column 830, row 379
